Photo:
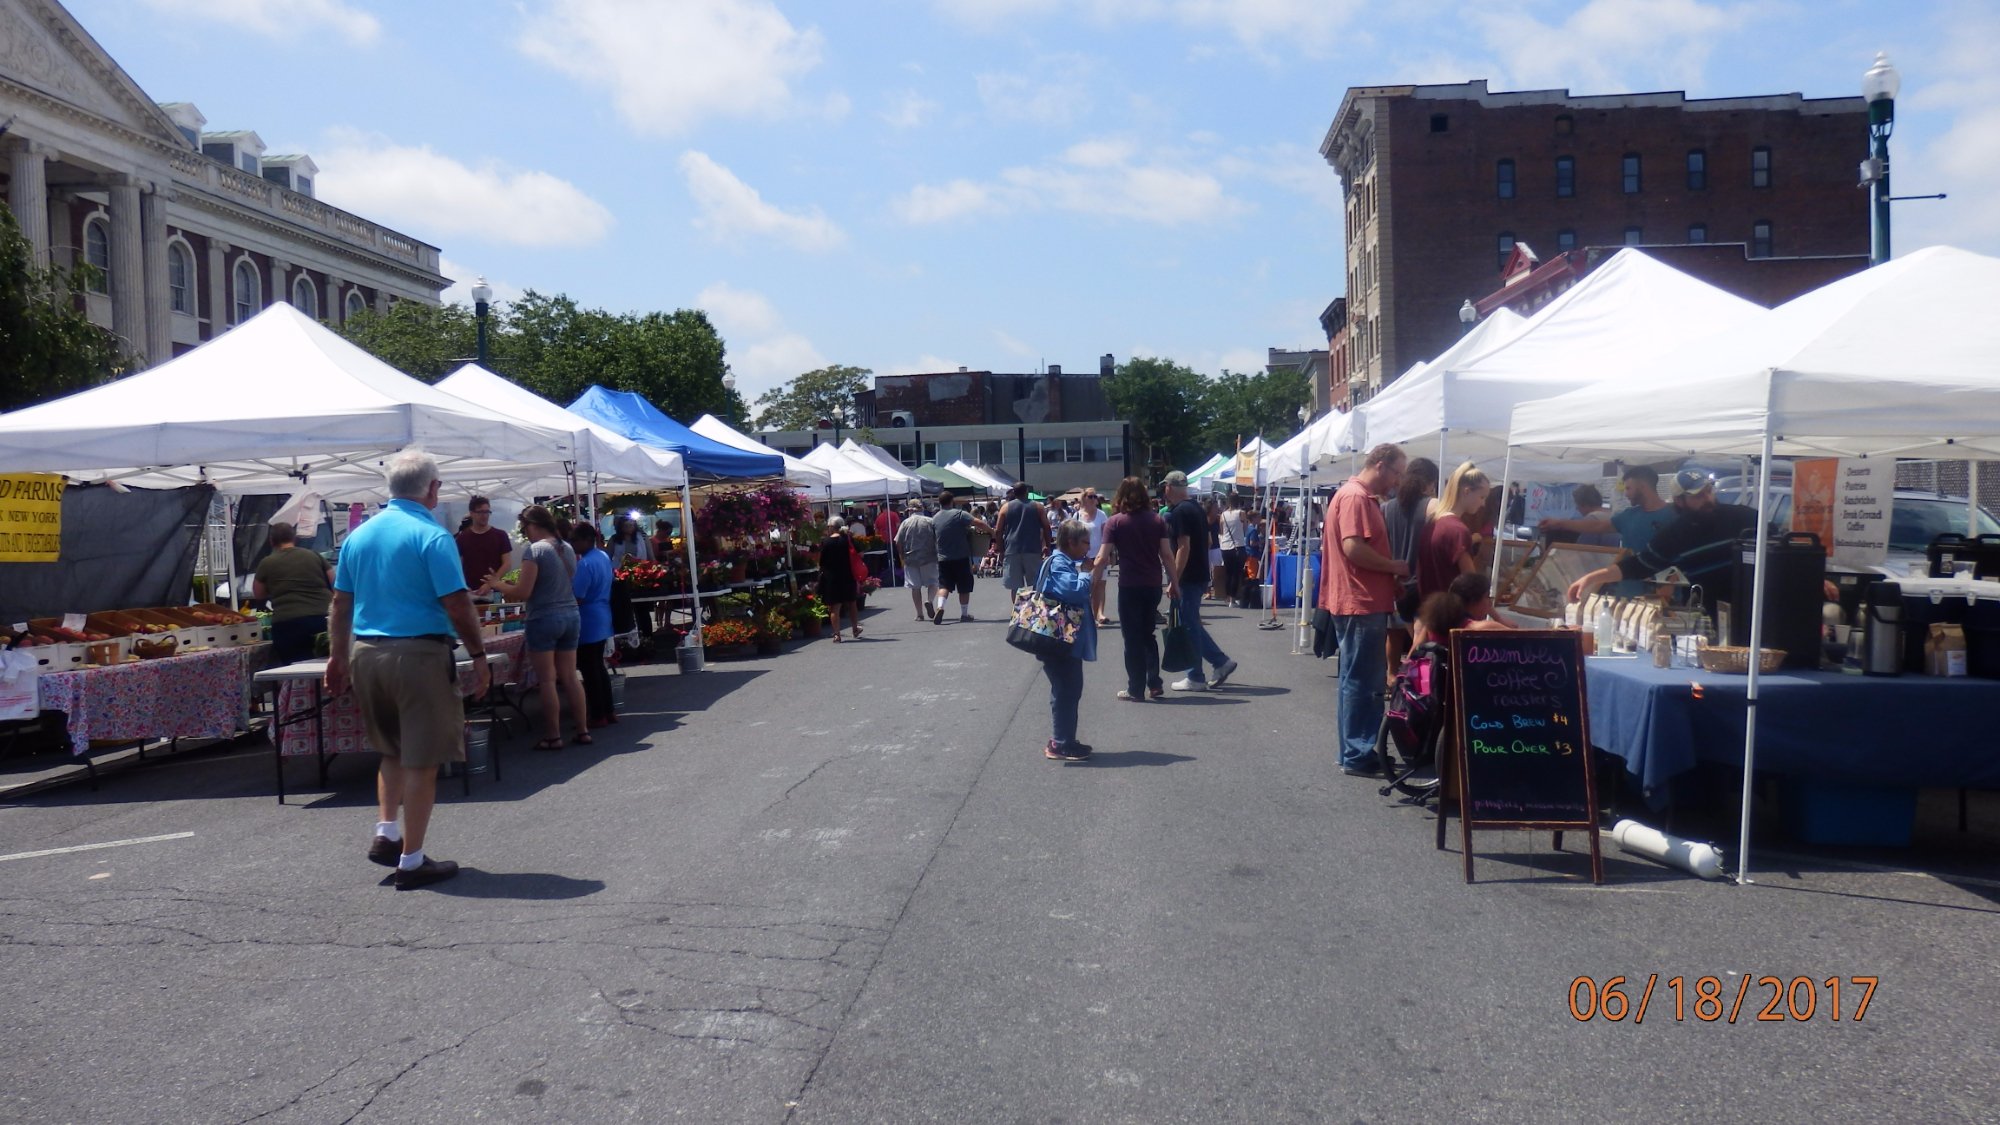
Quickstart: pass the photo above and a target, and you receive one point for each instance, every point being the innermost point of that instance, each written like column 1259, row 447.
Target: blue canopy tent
column 631, row 416
column 628, row 415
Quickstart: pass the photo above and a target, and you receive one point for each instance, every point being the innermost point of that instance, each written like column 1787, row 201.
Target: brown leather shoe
column 424, row 874
column 385, row 851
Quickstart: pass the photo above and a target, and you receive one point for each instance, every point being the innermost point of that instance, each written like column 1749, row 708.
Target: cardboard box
column 1944, row 650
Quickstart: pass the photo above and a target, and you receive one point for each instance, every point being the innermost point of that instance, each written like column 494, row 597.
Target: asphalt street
column 843, row 885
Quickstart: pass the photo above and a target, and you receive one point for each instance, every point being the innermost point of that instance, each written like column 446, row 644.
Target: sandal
column 583, row 738
column 549, row 744
column 857, row 632
column 836, row 638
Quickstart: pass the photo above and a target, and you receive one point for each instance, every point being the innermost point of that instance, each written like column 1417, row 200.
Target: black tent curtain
column 120, row 550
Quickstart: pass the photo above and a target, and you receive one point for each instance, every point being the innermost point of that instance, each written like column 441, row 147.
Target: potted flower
column 774, row 628
column 730, row 634
column 810, row 614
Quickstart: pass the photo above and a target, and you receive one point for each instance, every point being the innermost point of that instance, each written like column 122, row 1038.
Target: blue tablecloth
column 1897, row 730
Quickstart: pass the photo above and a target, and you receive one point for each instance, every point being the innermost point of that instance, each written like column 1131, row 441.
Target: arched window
column 355, row 305
column 97, row 253
column 304, row 298
column 248, row 301
column 180, row 278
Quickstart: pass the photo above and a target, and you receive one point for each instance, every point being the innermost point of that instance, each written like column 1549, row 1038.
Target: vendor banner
column 31, row 517
column 1847, row 503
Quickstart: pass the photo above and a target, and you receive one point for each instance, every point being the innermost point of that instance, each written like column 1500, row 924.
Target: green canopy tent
column 959, row 485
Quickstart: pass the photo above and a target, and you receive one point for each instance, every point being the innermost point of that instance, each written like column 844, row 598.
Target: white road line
column 94, row 847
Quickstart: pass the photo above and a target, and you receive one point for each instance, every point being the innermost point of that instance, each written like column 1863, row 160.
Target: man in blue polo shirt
column 399, row 594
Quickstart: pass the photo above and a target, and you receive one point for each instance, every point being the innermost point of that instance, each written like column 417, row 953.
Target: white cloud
column 729, row 207
column 670, row 67
column 1297, row 24
column 909, row 110
column 763, row 353
column 463, row 277
column 1050, row 97
column 1964, row 160
column 1106, row 178
column 1293, row 167
column 1610, row 45
column 281, row 19
column 430, row 195
column 1243, row 361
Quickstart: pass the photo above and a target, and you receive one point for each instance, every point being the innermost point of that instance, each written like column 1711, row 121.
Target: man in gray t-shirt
column 954, row 528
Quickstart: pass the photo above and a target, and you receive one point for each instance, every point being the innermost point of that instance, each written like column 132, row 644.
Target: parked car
column 1917, row 518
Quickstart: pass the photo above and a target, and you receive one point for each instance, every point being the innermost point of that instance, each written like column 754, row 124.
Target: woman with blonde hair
column 1447, row 547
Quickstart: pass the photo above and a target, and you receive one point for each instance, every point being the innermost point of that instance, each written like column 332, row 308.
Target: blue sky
column 911, row 185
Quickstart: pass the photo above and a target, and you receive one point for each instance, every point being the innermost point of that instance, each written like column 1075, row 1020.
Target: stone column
column 63, row 251
column 279, row 291
column 382, row 302
column 158, row 297
column 218, row 287
column 28, row 195
column 330, row 310
column 128, row 285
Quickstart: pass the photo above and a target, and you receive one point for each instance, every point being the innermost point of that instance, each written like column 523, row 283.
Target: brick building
column 1443, row 182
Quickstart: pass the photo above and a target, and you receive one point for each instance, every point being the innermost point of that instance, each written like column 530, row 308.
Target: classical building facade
column 1443, row 182
column 191, row 232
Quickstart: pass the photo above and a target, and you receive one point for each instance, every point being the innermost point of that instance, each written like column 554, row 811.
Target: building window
column 1440, row 123
column 250, row 164
column 1095, row 449
column 244, row 278
column 1760, row 166
column 1633, row 236
column 1565, row 240
column 1760, row 238
column 1503, row 179
column 355, row 305
column 1698, row 233
column 180, row 278
column 1565, row 124
column 97, row 253
column 1565, row 177
column 1630, row 168
column 1505, row 245
column 1697, row 170
column 304, row 298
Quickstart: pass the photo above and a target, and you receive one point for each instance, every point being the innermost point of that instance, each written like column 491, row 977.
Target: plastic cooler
column 1972, row 604
column 1842, row 813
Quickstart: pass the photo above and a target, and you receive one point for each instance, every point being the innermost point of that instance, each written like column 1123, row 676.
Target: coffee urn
column 1882, row 653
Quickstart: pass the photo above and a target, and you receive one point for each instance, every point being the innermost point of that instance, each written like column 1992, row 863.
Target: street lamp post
column 1467, row 317
column 1879, row 85
column 482, row 303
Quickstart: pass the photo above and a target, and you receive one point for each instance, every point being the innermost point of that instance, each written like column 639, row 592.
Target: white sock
column 388, row 829
column 411, row 860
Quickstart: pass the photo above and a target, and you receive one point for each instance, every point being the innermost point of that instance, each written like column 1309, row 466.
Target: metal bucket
column 617, row 691
column 478, row 745
column 690, row 657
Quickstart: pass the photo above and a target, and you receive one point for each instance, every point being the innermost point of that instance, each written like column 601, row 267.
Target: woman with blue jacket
column 1067, row 580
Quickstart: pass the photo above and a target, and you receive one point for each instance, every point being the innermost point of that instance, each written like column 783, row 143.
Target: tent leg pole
column 687, row 539
column 1756, row 651
column 1500, row 526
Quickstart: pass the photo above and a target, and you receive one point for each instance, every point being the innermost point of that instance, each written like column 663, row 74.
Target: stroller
column 1413, row 723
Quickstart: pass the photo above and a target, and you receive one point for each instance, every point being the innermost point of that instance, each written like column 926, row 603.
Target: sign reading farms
column 30, row 517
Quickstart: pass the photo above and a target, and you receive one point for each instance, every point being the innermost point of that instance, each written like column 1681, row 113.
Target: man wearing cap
column 1188, row 524
column 1700, row 543
column 916, row 544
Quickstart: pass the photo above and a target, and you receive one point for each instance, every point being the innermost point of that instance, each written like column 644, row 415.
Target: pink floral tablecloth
column 342, row 718
column 199, row 695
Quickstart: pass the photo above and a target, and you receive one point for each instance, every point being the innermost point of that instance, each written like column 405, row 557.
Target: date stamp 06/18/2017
column 1773, row 999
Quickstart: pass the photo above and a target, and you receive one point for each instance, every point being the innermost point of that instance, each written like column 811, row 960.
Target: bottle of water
column 1606, row 630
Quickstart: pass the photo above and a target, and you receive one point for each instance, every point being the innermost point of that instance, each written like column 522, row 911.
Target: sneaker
column 1077, row 751
column 1189, row 685
column 937, row 613
column 1157, row 692
column 965, row 615
column 385, row 851
column 1130, row 698
column 424, row 874
column 1053, row 751
column 1222, row 673
column 1368, row 768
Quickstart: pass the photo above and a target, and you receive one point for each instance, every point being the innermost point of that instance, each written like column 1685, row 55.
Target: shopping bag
column 1040, row 624
column 1176, row 643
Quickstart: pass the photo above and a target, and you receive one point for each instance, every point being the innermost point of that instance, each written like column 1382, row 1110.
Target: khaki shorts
column 408, row 699
column 920, row 576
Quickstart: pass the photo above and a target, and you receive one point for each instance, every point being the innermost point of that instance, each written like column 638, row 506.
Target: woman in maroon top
column 1136, row 538
column 1446, row 549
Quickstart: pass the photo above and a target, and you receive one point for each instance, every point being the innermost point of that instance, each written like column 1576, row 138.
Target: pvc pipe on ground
column 1691, row 856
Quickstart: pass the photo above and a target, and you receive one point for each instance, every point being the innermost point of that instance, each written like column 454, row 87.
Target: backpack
column 1415, row 714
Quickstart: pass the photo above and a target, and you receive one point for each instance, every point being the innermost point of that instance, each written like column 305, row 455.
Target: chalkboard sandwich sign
column 1523, row 741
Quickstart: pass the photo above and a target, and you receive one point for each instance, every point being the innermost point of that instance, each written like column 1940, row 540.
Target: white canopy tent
column 603, row 457
column 874, row 453
column 1630, row 306
column 278, row 402
column 1330, row 440
column 851, row 478
column 1900, row 360
column 796, row 471
column 993, row 485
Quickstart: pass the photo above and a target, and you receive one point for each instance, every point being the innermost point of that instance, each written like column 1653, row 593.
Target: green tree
column 801, row 403
column 48, row 346
column 1162, row 400
column 420, row 341
column 1236, row 407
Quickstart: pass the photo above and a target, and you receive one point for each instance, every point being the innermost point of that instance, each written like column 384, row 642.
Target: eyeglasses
column 482, row 511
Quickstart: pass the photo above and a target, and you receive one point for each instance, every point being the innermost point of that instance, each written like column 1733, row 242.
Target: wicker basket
column 1736, row 660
